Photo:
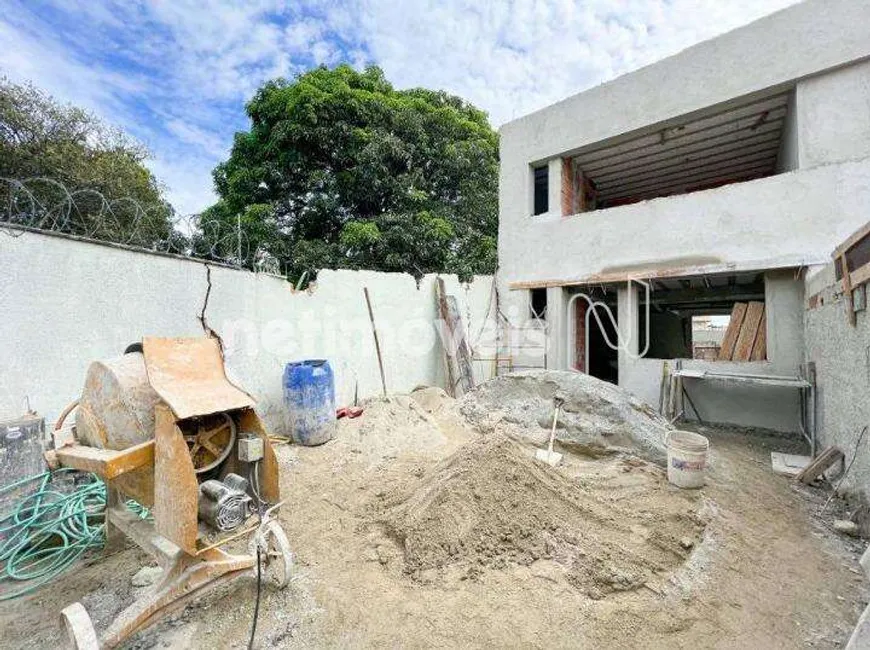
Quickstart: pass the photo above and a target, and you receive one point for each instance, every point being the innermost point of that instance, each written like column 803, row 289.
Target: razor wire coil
column 46, row 204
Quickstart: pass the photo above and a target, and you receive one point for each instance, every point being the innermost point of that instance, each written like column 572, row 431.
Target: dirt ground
column 744, row 562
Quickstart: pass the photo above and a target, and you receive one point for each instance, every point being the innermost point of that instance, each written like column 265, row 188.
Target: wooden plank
column 377, row 340
column 463, row 353
column 850, row 241
column 460, row 377
column 759, row 349
column 137, row 485
column 450, row 369
column 268, row 471
column 176, row 491
column 107, row 463
column 748, row 332
column 738, row 313
column 820, row 465
column 189, row 374
column 663, row 386
column 847, row 291
column 860, row 276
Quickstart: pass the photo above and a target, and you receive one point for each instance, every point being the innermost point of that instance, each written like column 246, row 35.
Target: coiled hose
column 47, row 530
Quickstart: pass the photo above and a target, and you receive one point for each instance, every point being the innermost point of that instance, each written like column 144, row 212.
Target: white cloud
column 176, row 74
column 511, row 58
column 187, row 181
column 209, row 142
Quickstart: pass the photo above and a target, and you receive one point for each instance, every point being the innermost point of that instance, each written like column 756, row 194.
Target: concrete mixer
column 163, row 425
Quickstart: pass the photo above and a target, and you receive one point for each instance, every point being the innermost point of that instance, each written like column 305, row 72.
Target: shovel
column 548, row 455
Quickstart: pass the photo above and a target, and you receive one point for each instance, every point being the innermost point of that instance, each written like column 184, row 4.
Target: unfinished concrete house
column 700, row 189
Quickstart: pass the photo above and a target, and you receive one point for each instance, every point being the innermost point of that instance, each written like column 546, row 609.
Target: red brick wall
column 568, row 188
column 580, row 307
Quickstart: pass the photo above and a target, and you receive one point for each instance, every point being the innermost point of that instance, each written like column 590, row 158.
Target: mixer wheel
column 79, row 628
column 276, row 558
column 210, row 440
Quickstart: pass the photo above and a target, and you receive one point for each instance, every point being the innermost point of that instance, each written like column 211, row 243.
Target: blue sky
column 176, row 74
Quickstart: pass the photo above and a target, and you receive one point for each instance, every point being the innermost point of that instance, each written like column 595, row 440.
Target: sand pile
column 595, row 415
column 490, row 505
column 390, row 426
column 444, row 411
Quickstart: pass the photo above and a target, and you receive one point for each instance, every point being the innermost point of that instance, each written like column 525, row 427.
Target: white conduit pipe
column 593, row 309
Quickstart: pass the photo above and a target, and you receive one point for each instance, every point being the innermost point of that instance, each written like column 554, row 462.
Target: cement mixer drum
column 116, row 410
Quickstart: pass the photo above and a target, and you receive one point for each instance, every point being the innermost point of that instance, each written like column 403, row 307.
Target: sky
column 176, row 74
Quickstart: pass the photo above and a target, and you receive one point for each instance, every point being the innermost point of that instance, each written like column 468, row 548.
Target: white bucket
column 687, row 459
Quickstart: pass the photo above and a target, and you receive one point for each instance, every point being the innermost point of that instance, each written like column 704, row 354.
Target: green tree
column 347, row 172
column 63, row 169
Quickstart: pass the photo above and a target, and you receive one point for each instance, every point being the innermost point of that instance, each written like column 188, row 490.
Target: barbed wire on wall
column 46, row 204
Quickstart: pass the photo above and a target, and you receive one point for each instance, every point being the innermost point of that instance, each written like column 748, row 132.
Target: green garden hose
column 47, row 530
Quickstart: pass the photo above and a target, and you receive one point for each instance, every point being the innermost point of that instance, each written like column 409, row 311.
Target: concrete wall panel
column 67, row 303
column 842, row 357
column 788, row 220
column 834, row 116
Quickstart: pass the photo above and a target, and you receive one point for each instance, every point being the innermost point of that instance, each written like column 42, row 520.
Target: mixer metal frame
column 188, row 374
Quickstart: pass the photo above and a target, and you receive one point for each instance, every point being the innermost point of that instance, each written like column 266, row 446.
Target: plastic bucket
column 687, row 459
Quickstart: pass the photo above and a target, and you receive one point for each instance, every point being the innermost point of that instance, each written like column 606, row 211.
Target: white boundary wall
column 68, row 302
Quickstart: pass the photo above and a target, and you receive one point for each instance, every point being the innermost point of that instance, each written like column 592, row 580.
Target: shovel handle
column 553, row 430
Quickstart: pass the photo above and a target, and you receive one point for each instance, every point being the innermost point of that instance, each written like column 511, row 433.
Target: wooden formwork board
column 738, row 312
column 748, row 332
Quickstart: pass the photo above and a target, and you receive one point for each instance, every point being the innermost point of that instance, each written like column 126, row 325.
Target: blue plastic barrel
column 309, row 396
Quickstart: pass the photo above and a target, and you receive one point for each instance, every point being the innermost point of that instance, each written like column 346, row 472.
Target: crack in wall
column 202, row 317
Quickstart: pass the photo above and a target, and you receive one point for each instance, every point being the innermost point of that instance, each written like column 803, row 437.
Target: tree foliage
column 80, row 176
column 341, row 170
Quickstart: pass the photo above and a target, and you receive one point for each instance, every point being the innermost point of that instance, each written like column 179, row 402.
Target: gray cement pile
column 596, row 416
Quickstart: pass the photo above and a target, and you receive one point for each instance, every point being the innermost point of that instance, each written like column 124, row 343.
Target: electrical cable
column 49, row 529
column 846, row 472
column 255, row 488
column 256, row 602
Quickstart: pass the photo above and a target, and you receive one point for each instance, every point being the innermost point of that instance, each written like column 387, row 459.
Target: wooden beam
column 107, row 463
column 738, row 313
column 726, row 120
column 647, row 271
column 847, row 290
column 737, row 293
column 860, row 276
column 820, row 465
column 748, row 332
column 853, row 239
column 759, row 349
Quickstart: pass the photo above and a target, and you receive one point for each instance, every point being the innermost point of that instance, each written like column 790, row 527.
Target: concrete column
column 627, row 321
column 557, row 324
column 784, row 313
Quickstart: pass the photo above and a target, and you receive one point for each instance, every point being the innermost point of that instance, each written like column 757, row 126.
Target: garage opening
column 713, row 318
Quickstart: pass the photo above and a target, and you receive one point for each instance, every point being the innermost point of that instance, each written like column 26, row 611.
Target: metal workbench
column 805, row 383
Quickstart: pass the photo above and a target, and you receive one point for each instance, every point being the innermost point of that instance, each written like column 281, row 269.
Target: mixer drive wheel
column 210, row 440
